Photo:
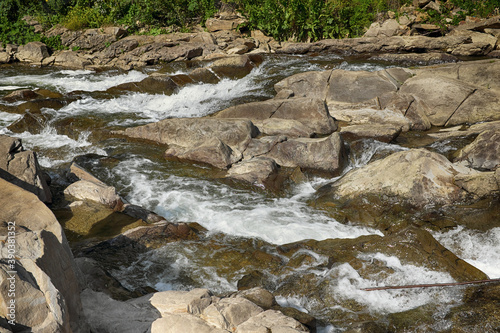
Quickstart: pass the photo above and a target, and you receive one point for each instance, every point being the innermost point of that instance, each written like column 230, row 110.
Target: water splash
column 480, row 249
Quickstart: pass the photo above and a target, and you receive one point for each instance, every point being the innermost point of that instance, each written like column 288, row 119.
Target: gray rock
column 484, row 152
column 323, row 155
column 260, row 171
column 21, row 168
column 48, row 292
column 33, row 52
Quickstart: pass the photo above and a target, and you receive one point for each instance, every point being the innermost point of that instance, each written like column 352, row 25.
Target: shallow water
column 183, row 193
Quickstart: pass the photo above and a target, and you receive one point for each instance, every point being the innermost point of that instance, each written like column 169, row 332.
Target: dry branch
column 432, row 285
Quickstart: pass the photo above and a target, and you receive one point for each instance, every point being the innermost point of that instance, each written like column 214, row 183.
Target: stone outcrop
column 21, row 168
column 47, row 292
column 184, row 311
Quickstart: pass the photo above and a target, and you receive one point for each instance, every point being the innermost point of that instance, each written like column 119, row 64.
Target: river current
column 185, row 193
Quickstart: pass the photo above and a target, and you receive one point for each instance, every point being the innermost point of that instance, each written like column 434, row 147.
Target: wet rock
column 260, row 171
column 93, row 276
column 233, row 67
column 160, row 233
column 21, row 168
column 366, row 327
column 33, row 52
column 88, row 219
column 45, row 268
column 478, row 313
column 380, row 132
column 32, row 122
column 416, row 176
column 483, row 153
column 323, row 155
column 21, row 95
column 203, row 75
column 152, row 85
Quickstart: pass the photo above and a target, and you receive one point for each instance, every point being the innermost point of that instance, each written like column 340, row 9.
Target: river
column 232, row 215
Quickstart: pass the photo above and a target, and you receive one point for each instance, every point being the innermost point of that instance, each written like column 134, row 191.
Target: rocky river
column 309, row 176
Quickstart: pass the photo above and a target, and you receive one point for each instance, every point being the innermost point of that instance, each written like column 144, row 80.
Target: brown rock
column 232, row 67
column 380, row 132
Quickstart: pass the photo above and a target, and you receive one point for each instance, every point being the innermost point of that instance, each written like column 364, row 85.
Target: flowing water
column 232, row 215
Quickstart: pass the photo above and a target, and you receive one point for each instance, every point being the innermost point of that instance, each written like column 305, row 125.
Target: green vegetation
column 299, row 20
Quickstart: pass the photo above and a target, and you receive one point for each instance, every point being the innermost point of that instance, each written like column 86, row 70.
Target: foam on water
column 480, row 249
column 169, row 268
column 221, row 208
column 348, row 283
column 194, row 100
column 54, row 149
column 8, row 118
column 70, row 80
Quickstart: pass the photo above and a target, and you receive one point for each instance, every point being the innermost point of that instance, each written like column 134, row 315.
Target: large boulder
column 323, row 155
column 21, row 168
column 194, row 132
column 47, row 291
column 417, row 176
column 297, row 117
